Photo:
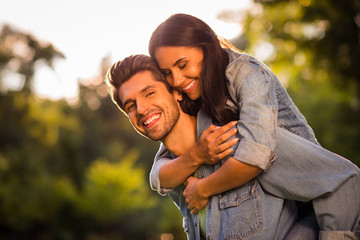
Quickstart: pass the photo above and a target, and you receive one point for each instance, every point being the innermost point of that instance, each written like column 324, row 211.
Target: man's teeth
column 148, row 121
column 189, row 86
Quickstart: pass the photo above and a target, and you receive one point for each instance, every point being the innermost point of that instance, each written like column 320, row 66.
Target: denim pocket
column 241, row 211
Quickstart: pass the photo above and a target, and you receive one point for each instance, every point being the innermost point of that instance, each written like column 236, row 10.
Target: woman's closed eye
column 182, row 65
column 148, row 94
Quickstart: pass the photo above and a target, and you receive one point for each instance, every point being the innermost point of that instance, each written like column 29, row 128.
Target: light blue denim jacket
column 262, row 104
column 265, row 110
column 245, row 212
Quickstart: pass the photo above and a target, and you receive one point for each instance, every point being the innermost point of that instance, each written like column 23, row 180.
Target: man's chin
column 157, row 137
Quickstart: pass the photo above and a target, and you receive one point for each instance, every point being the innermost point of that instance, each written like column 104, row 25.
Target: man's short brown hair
column 122, row 71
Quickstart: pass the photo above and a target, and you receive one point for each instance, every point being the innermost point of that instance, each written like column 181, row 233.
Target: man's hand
column 213, row 145
column 193, row 197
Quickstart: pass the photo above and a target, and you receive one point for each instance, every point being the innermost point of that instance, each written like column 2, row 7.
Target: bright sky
column 86, row 31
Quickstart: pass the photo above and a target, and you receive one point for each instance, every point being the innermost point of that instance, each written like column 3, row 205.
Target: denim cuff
column 155, row 178
column 338, row 235
column 254, row 154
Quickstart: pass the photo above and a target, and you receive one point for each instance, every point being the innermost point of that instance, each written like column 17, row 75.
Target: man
column 142, row 93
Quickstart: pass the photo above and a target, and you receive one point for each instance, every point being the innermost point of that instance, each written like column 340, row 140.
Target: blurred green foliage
column 81, row 172
column 72, row 171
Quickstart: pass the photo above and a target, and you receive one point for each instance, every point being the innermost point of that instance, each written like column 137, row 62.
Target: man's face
column 152, row 110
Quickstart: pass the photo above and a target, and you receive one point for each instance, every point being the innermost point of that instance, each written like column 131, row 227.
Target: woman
column 227, row 86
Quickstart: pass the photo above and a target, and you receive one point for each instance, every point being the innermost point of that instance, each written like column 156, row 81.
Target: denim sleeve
column 254, row 87
column 161, row 157
column 304, row 170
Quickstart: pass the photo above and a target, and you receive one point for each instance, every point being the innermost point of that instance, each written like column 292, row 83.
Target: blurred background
column 71, row 165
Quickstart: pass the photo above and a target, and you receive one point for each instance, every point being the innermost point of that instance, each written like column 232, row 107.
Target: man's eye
column 130, row 107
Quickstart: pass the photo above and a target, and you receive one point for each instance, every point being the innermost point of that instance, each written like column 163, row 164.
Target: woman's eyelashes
column 167, row 73
column 149, row 93
column 182, row 65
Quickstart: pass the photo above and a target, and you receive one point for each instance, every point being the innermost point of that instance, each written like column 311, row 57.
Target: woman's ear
column 178, row 95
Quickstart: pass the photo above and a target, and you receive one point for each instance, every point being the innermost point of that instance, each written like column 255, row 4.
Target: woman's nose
column 178, row 79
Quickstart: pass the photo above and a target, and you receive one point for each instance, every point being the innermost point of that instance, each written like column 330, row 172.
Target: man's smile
column 150, row 120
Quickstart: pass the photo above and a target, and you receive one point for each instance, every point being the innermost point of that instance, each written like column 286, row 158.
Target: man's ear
column 177, row 95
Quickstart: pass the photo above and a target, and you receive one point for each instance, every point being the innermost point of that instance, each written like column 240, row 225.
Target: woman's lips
column 189, row 87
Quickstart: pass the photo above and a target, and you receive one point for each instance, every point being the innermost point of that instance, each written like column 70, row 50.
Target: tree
column 19, row 53
column 71, row 171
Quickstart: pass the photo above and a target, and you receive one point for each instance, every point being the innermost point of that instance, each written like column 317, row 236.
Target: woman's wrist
column 195, row 159
column 202, row 188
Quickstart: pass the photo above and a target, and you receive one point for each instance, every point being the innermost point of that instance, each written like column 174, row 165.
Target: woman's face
column 182, row 68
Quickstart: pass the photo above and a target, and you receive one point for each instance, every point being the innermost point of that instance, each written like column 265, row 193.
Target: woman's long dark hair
column 186, row 30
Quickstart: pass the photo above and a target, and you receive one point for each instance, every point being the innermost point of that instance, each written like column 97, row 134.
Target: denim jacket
column 245, row 212
column 263, row 105
column 267, row 116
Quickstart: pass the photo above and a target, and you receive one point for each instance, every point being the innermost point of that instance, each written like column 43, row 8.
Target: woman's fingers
column 225, row 149
column 224, row 137
column 217, row 131
column 220, row 138
column 226, row 145
column 194, row 211
column 224, row 154
column 214, row 143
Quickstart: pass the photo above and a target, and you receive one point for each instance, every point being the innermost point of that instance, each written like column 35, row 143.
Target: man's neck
column 182, row 136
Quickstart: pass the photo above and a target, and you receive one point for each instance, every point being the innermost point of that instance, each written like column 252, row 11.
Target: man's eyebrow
column 126, row 102
column 147, row 87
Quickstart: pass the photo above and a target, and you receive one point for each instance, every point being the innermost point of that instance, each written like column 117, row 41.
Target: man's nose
column 142, row 107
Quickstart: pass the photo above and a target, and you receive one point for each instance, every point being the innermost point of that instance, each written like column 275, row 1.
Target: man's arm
column 175, row 171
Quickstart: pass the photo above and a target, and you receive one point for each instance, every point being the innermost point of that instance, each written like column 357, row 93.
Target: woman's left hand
column 193, row 197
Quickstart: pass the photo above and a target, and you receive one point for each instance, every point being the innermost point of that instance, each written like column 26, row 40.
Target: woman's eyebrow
column 177, row 62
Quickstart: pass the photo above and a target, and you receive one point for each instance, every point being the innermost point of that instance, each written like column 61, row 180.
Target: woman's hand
column 213, row 145
column 192, row 196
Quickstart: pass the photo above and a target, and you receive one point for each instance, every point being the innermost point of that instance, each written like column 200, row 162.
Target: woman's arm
column 253, row 91
column 231, row 174
column 212, row 146
column 257, row 103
